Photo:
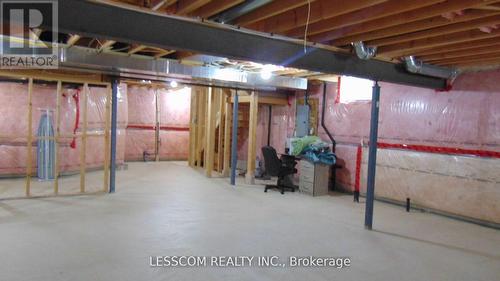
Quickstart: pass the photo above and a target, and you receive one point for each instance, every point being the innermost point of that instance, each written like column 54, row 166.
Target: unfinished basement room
column 250, row 140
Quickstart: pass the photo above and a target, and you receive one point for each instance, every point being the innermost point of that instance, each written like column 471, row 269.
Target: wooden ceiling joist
column 479, row 64
column 136, row 49
column 370, row 29
column 162, row 53
column 411, row 47
column 399, row 18
column 272, row 9
column 460, row 46
column 73, row 39
column 320, row 10
column 490, row 8
column 106, row 45
column 470, row 25
column 215, row 7
column 461, row 53
column 378, row 11
column 469, row 59
column 185, row 7
column 155, row 5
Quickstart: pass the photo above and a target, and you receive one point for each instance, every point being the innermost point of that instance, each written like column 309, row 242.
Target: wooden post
column 58, row 135
column 107, row 145
column 192, row 129
column 202, row 102
column 210, row 133
column 227, row 135
column 83, row 148
column 220, row 143
column 252, row 131
column 29, row 148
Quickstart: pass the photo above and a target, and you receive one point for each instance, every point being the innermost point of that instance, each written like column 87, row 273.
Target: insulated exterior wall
column 431, row 125
column 14, row 111
column 174, row 109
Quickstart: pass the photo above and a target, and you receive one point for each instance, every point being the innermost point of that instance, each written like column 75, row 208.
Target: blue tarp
column 314, row 149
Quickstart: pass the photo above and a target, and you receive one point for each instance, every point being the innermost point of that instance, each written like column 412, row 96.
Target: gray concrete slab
column 169, row 209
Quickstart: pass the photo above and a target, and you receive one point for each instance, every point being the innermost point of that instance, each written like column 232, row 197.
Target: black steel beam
column 129, row 25
column 372, row 156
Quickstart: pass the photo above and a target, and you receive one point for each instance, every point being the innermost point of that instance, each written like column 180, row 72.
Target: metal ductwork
column 416, row 66
column 364, row 52
column 147, row 68
column 233, row 13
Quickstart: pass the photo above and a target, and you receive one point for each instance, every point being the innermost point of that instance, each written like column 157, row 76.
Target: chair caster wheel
column 282, row 193
column 265, row 190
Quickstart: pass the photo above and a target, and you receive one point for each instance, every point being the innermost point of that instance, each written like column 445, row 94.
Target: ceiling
column 455, row 33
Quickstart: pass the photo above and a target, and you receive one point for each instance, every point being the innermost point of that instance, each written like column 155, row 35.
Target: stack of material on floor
column 314, row 150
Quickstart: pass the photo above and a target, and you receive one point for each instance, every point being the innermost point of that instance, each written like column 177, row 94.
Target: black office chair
column 281, row 168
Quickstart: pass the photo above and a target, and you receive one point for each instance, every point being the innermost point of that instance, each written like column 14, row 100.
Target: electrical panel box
column 302, row 121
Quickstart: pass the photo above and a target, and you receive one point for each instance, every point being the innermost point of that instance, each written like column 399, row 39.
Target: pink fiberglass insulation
column 424, row 123
column 14, row 125
column 282, row 126
column 174, row 108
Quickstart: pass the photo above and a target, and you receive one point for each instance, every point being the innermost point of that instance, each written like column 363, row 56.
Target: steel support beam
column 114, row 118
column 372, row 157
column 125, row 24
column 234, row 142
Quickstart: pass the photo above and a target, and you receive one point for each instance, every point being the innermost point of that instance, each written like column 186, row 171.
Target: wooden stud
column 107, row 144
column 58, row 136
column 53, row 77
column 192, row 129
column 210, row 133
column 252, row 138
column 29, row 154
column 201, row 98
column 227, row 134
column 263, row 100
column 220, row 144
column 83, row 148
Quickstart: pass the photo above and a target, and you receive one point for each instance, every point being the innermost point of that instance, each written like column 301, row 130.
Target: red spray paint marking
column 441, row 150
column 359, row 155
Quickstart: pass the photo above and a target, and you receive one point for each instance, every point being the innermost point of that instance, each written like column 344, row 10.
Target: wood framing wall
column 211, row 126
column 60, row 135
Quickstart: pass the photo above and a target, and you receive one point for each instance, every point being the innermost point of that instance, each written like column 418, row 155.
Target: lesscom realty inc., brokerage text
column 248, row 261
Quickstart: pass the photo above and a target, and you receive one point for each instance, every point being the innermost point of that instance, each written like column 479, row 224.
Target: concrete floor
column 170, row 209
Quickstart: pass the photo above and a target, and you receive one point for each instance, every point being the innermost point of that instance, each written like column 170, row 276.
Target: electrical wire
column 307, row 24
